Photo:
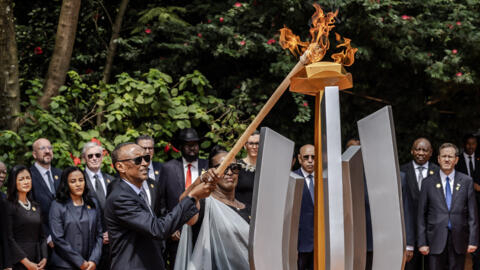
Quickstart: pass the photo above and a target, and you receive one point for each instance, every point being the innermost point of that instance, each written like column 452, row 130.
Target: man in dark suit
column 469, row 164
column 176, row 175
column 3, row 177
column 306, row 158
column 447, row 214
column 133, row 228
column 97, row 182
column 45, row 180
column 417, row 170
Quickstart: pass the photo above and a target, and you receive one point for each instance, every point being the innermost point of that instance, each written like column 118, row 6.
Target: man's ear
column 120, row 167
column 34, row 154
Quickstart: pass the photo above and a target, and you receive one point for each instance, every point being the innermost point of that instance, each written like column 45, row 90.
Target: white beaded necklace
column 27, row 206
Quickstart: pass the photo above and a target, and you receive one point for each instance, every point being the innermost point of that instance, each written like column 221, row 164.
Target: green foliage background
column 212, row 65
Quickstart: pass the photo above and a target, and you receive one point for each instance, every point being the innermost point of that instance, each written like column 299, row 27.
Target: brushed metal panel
column 379, row 150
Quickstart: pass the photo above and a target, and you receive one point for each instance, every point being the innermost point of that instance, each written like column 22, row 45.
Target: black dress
column 246, row 178
column 4, row 250
column 26, row 238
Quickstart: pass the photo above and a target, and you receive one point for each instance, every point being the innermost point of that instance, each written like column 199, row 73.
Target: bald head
column 306, row 158
column 42, row 152
column 421, row 151
column 3, row 173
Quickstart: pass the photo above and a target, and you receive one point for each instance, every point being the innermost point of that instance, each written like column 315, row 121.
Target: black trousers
column 418, row 262
column 305, row 260
column 448, row 259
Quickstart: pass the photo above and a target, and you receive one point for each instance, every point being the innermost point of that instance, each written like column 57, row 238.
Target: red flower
column 88, row 71
column 459, row 23
column 221, row 19
column 209, row 21
column 242, row 42
column 305, row 104
column 238, row 4
column 95, row 140
column 459, row 74
column 167, row 148
column 77, row 161
column 406, row 17
column 199, row 35
column 454, row 51
column 271, row 41
column 148, row 31
column 175, row 149
column 449, row 26
column 38, row 50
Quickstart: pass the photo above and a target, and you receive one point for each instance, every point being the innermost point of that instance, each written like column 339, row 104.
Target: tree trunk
column 112, row 49
column 60, row 62
column 9, row 86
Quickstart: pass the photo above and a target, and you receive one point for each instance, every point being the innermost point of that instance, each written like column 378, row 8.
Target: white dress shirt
column 309, row 182
column 91, row 178
column 193, row 169
column 147, row 190
column 43, row 173
column 443, row 177
column 151, row 172
column 467, row 161
column 424, row 172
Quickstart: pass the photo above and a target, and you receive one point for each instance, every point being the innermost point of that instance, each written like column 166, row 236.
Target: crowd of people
column 182, row 215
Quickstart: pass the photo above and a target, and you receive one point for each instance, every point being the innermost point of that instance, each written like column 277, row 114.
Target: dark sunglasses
column 138, row 160
column 97, row 155
column 307, row 157
column 234, row 167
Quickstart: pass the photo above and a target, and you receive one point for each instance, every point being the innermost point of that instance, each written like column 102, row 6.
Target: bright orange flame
column 316, row 49
column 347, row 56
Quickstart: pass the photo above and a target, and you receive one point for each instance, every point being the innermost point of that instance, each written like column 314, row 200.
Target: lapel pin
column 156, row 172
column 439, row 186
column 108, row 180
column 56, row 177
column 34, row 209
column 431, row 172
column 88, row 206
column 457, row 188
column 151, row 185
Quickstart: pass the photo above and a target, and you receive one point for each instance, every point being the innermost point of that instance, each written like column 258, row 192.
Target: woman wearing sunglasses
column 75, row 224
column 220, row 230
column 25, row 234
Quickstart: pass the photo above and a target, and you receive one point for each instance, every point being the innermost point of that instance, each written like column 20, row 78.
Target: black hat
column 188, row 135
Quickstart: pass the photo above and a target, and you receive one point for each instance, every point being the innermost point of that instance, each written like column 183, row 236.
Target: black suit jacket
column 134, row 232
column 433, row 214
column 107, row 179
column 305, row 226
column 413, row 190
column 68, row 235
column 42, row 195
column 462, row 167
column 172, row 180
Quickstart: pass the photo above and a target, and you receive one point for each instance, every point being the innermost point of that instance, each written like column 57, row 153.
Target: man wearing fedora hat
column 177, row 174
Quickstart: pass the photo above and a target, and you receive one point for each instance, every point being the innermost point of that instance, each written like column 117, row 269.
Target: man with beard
column 45, row 180
column 3, row 176
column 176, row 175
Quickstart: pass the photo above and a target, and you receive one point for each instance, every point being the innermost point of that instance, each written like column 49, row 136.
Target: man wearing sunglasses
column 134, row 229
column 45, row 180
column 97, row 182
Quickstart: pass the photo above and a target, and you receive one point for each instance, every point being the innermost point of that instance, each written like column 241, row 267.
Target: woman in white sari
column 220, row 231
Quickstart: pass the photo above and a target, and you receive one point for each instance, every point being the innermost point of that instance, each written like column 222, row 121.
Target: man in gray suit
column 447, row 214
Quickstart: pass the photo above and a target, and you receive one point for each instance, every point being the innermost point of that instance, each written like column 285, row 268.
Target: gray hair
column 89, row 145
column 449, row 145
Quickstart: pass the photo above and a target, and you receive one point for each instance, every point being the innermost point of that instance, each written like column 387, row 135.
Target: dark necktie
column 50, row 182
column 420, row 176
column 448, row 198
column 311, row 188
column 99, row 189
column 470, row 166
column 143, row 194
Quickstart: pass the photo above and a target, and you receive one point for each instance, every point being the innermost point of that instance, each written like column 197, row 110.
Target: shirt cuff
column 49, row 239
column 410, row 248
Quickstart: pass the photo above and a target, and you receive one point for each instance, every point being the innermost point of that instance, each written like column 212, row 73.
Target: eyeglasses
column 148, row 148
column 252, row 144
column 43, row 148
column 307, row 157
column 138, row 160
column 234, row 167
column 97, row 155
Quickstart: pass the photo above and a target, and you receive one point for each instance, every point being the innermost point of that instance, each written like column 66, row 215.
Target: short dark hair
column 12, row 192
column 144, row 137
column 467, row 137
column 217, row 149
column 448, row 145
column 116, row 151
column 63, row 190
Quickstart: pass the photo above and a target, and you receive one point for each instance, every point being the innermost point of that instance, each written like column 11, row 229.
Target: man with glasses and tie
column 306, row 158
column 469, row 164
column 133, row 228
column 416, row 171
column 97, row 182
column 45, row 180
column 447, row 214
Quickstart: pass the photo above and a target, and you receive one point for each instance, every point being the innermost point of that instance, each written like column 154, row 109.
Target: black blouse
column 26, row 238
column 246, row 179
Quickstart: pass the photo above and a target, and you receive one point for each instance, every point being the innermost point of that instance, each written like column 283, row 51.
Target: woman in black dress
column 246, row 177
column 25, row 234
column 75, row 224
